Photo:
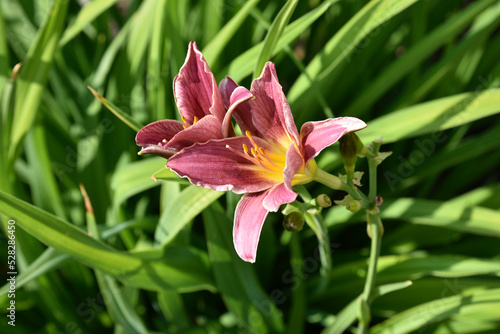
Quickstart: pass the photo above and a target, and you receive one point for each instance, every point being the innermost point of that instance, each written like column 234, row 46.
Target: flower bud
column 294, row 221
column 353, row 206
column 323, row 201
column 349, row 151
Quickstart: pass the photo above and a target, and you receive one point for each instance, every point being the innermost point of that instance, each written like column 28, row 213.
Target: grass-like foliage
column 102, row 247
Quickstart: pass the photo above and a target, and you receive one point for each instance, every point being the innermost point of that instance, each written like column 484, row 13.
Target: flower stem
column 375, row 231
column 375, row 225
column 372, row 170
column 336, row 183
column 329, row 180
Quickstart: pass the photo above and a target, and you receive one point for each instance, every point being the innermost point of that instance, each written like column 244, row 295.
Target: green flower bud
column 349, row 151
column 353, row 206
column 294, row 221
column 323, row 201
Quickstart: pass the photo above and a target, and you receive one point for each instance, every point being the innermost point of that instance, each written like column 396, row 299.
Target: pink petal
column 159, row 151
column 294, row 162
column 248, row 221
column 226, row 88
column 270, row 110
column 242, row 113
column 213, row 165
column 195, row 89
column 155, row 136
column 156, row 132
column 238, row 96
column 278, row 195
column 209, row 127
column 318, row 135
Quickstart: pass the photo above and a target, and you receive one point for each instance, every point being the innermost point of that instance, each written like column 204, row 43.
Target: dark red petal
column 209, row 127
column 156, row 132
column 213, row 165
column 195, row 89
column 270, row 110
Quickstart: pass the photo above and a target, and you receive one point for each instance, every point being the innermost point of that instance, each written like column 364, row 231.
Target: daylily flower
column 201, row 107
column 264, row 163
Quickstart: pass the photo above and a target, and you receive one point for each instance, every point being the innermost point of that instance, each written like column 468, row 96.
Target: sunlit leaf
column 167, row 269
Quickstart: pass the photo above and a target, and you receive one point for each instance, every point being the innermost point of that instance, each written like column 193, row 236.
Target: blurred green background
column 158, row 256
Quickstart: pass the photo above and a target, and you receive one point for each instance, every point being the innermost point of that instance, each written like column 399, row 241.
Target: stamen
column 255, row 159
column 195, row 119
column 185, row 125
column 257, row 155
column 249, row 135
column 239, row 153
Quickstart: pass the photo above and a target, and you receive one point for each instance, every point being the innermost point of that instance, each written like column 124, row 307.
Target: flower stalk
column 353, row 202
column 375, row 231
column 329, row 180
column 375, row 226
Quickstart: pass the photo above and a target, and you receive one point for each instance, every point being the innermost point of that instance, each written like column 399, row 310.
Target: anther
column 245, row 148
column 164, row 141
column 249, row 135
column 246, row 156
column 195, row 119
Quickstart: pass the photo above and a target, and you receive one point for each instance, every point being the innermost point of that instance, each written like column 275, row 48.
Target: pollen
column 249, row 135
column 185, row 125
